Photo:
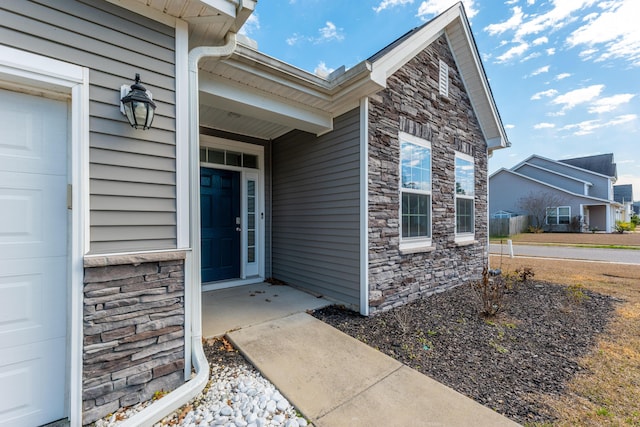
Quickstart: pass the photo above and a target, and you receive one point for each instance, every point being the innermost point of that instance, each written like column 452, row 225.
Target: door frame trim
column 57, row 78
column 258, row 150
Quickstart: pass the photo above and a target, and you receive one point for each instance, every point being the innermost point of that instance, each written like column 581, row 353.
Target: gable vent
column 443, row 80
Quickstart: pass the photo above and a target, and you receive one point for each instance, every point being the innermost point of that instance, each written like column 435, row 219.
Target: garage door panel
column 33, row 259
column 31, row 225
column 32, row 300
column 29, row 123
column 25, row 373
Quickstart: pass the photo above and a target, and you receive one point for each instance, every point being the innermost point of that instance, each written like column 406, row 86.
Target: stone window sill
column 466, row 242
column 416, row 250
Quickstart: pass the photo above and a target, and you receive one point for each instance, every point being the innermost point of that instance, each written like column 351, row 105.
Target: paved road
column 622, row 256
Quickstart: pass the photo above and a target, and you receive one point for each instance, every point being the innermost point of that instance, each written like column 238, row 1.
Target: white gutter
column 183, row 394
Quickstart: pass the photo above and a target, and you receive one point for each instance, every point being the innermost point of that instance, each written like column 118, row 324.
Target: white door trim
column 20, row 69
column 245, row 174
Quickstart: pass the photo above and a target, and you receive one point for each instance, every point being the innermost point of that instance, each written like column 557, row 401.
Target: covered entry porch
column 281, row 152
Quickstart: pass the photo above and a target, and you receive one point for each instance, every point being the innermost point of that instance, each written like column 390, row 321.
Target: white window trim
column 414, row 244
column 464, row 237
column 557, row 208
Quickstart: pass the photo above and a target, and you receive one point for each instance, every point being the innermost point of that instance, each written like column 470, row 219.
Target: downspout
column 193, row 387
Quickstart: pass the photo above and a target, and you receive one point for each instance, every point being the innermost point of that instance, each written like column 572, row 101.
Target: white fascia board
column 393, row 60
column 241, row 99
column 223, row 6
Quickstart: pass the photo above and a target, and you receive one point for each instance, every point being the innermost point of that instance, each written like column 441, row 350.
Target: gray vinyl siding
column 551, row 178
column 600, row 187
column 132, row 172
column 316, row 210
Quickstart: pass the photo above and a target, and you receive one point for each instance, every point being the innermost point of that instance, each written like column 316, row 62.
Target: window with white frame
column 415, row 189
column 465, row 185
column 559, row 215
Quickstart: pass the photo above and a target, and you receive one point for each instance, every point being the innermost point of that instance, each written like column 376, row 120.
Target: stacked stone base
column 134, row 330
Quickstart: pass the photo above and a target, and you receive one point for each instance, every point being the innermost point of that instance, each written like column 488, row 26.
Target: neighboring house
column 368, row 187
column 623, row 194
column 581, row 188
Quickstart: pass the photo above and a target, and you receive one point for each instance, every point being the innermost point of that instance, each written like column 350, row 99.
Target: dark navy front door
column 220, row 224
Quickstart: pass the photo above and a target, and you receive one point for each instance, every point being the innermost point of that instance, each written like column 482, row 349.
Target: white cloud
column 589, row 126
column 251, row 25
column 531, row 2
column 322, row 70
column 509, row 126
column 329, row 32
column 510, row 24
column 551, row 51
column 294, row 39
column 562, row 76
column 547, row 93
column 511, row 1
column 513, row 52
column 559, row 16
column 531, row 56
column 433, row 7
column 540, row 70
column 615, row 30
column 610, row 103
column 577, row 96
column 544, row 125
column 540, row 40
column 387, row 4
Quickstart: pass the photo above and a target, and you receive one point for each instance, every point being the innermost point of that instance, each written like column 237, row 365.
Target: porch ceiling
column 253, row 94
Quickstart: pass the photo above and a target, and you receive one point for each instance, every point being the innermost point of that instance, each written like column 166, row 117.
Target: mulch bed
column 506, row 362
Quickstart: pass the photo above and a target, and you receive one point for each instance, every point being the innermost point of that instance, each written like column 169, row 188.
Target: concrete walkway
column 336, row 380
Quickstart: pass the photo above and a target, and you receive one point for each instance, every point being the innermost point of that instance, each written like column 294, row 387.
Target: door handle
column 238, row 229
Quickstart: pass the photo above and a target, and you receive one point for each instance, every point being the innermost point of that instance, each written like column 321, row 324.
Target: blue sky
column 565, row 74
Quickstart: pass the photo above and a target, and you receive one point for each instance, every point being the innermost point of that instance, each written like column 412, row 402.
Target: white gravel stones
column 234, row 397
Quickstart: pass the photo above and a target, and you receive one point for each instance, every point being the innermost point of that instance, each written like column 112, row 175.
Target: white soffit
column 209, row 20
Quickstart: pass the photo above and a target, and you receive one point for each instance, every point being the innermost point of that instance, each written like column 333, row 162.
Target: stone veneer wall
column 134, row 328
column 411, row 103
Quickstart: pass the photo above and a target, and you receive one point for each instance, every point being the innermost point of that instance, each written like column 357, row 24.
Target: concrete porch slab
column 242, row 306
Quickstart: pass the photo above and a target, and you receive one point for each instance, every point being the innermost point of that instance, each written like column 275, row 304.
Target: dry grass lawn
column 607, row 393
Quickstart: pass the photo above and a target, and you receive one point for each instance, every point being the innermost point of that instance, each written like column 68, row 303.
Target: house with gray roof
column 581, row 190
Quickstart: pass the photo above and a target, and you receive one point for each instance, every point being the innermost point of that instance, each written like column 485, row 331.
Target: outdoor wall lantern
column 137, row 105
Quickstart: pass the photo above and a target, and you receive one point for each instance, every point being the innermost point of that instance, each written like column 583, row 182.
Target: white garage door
column 33, row 259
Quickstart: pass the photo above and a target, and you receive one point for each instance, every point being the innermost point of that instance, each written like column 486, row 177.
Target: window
column 415, row 189
column 559, row 215
column 465, row 184
column 227, row 157
column 443, row 79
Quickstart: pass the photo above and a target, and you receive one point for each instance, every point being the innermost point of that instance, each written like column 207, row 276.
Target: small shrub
column 490, row 291
column 621, row 227
column 635, row 220
column 534, row 229
column 523, row 274
column 575, row 224
column 576, row 292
